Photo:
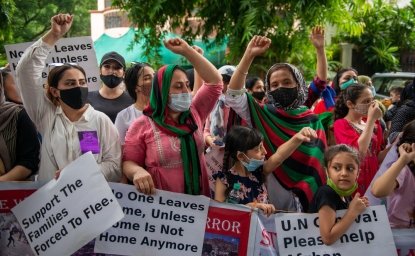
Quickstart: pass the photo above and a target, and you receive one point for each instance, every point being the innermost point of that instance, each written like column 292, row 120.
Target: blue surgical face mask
column 180, row 102
column 253, row 164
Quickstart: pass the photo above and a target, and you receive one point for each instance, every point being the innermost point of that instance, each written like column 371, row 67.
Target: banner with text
column 228, row 230
column 214, row 162
column 166, row 223
column 223, row 230
column 266, row 236
column 78, row 50
column 12, row 238
column 299, row 234
column 67, row 213
column 405, row 241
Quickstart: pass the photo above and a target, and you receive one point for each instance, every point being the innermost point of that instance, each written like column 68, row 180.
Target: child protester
column 245, row 153
column 342, row 167
column 397, row 182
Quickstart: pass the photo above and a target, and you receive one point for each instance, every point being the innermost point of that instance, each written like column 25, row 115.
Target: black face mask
column 111, row 81
column 258, row 95
column 75, row 97
column 284, row 96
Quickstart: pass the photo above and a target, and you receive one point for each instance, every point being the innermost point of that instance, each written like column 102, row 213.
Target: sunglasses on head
column 139, row 63
column 57, row 64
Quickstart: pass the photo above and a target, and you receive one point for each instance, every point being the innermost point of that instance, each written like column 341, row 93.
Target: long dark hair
column 408, row 136
column 336, row 82
column 238, row 139
column 131, row 77
column 250, row 82
column 351, row 93
column 407, row 94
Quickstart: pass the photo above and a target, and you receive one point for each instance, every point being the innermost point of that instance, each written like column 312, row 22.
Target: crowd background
column 284, row 162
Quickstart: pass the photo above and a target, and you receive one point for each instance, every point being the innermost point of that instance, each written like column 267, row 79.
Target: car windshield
column 384, row 84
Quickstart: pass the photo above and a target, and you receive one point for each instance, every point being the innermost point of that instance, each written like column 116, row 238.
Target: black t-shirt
column 24, row 143
column 110, row 107
column 403, row 115
column 325, row 195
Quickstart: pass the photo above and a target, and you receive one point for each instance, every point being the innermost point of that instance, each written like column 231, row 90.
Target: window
column 108, row 3
column 112, row 21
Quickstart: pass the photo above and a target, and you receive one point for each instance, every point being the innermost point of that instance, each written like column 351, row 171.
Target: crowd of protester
column 151, row 128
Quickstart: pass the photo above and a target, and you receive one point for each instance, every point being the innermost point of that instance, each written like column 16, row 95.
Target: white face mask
column 180, row 102
column 362, row 108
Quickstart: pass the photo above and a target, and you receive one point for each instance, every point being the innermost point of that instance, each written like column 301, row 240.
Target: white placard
column 266, row 236
column 78, row 50
column 67, row 213
column 166, row 223
column 370, row 234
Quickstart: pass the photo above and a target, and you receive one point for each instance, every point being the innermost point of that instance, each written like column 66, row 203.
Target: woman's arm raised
column 204, row 68
column 257, row 46
column 60, row 25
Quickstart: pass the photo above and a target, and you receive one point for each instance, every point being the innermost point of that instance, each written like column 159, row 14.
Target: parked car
column 383, row 82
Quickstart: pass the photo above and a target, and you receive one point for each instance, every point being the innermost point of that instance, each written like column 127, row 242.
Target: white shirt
column 124, row 119
column 60, row 142
column 238, row 101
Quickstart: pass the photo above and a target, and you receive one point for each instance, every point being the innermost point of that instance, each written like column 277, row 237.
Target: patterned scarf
column 303, row 172
column 302, row 86
column 8, row 119
column 184, row 130
column 217, row 126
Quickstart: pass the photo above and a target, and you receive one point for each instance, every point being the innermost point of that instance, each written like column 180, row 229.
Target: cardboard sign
column 228, row 230
column 166, row 223
column 79, row 50
column 370, row 234
column 67, row 213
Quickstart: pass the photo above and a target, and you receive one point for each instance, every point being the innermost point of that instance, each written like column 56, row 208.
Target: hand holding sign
column 79, row 202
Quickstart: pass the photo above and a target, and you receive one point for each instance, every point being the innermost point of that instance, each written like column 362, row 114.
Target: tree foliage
column 389, row 30
column 7, row 8
column 27, row 20
column 287, row 23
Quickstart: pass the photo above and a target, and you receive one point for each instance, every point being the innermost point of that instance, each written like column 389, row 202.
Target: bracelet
column 244, row 73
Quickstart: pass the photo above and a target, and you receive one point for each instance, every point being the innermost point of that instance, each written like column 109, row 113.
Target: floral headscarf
column 301, row 86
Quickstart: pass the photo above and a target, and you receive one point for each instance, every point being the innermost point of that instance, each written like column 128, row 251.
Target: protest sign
column 221, row 219
column 214, row 163
column 228, row 230
column 405, row 241
column 67, row 213
column 370, row 234
column 12, row 238
column 266, row 236
column 166, row 223
column 79, row 50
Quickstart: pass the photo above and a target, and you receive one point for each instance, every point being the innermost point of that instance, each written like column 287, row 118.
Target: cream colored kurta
column 60, row 142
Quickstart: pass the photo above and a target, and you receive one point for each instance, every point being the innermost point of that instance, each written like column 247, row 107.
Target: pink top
column 159, row 153
column 346, row 133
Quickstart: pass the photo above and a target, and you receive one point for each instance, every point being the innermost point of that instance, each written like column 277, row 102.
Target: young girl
column 356, row 124
column 397, row 181
column 245, row 152
column 342, row 167
column 343, row 78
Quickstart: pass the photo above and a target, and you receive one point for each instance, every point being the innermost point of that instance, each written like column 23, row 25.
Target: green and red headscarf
column 303, row 172
column 157, row 110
